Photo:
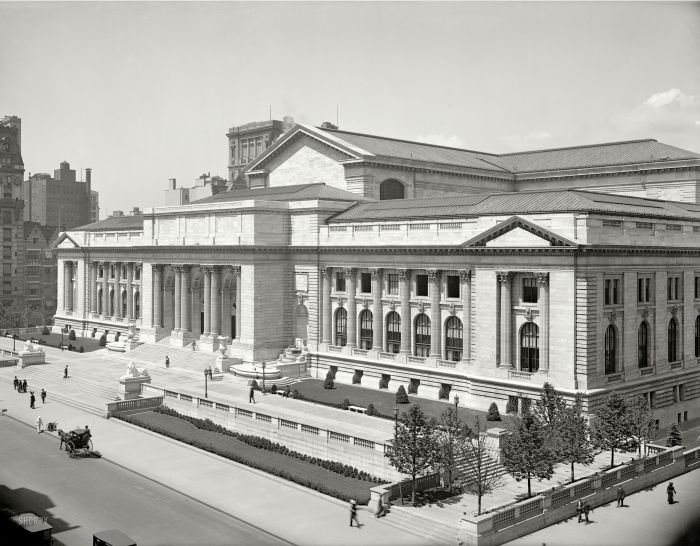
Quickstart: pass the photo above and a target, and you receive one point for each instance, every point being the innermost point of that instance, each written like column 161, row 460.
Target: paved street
column 645, row 520
column 82, row 496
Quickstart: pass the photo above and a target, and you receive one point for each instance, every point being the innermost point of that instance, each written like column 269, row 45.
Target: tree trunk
column 479, row 501
column 413, row 490
column 529, row 492
column 572, row 472
column 612, row 458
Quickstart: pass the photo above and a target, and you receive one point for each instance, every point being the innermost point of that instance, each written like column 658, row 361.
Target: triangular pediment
column 515, row 232
column 65, row 241
column 299, row 134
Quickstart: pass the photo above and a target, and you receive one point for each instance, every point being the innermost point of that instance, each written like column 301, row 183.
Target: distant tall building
column 60, row 200
column 40, row 274
column 204, row 186
column 248, row 141
column 11, row 211
column 94, row 206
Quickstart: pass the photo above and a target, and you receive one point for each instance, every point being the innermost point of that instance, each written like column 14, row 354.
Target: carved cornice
column 340, row 300
column 365, row 302
column 674, row 310
column 612, row 316
column 645, row 313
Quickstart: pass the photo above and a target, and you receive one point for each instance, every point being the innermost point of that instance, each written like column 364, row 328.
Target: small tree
column 401, row 396
column 103, row 340
column 549, row 411
column 675, row 438
column 512, row 405
column 612, row 428
column 346, row 403
column 493, row 414
column 448, row 434
column 371, row 410
column 71, row 335
column 328, row 382
column 526, row 451
column 641, row 420
column 574, row 444
column 413, row 450
column 480, row 475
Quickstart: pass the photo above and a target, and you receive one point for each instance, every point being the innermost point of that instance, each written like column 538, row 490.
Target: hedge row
column 266, row 444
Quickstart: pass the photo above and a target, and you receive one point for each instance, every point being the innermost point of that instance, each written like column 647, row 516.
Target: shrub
column 94, row 331
column 401, row 396
column 357, row 377
column 297, row 395
column 371, row 410
column 384, row 381
column 675, row 438
column 273, row 389
column 346, row 404
column 444, row 393
column 103, row 340
column 71, row 335
column 328, row 382
column 45, row 331
column 413, row 386
column 493, row 414
column 81, row 350
column 512, row 404
column 255, row 385
column 116, row 336
column 70, row 347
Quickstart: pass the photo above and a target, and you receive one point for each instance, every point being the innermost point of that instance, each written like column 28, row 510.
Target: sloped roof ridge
column 406, row 141
column 579, row 147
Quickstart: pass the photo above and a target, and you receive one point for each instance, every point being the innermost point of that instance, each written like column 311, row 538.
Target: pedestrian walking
column 670, row 491
column 381, row 509
column 620, row 496
column 251, row 395
column 586, row 509
column 167, row 361
column 24, row 386
column 579, row 510
column 194, row 345
column 353, row 514
column 65, row 372
column 16, row 383
column 32, row 399
column 43, row 397
column 39, row 425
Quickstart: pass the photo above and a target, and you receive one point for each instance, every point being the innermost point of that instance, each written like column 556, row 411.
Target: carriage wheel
column 70, row 448
column 89, row 445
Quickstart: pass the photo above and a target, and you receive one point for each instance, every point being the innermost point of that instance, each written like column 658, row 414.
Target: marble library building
column 449, row 271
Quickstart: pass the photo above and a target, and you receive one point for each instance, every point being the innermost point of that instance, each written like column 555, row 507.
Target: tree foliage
column 526, row 453
column 13, row 316
column 675, row 438
column 414, row 447
column 449, row 433
column 493, row 414
column 401, row 396
column 480, row 474
column 641, row 420
column 612, row 427
column 574, row 444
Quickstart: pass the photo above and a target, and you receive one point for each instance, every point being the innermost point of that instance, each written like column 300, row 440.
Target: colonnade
column 107, row 277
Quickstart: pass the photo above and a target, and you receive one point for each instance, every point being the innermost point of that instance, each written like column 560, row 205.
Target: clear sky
column 144, row 92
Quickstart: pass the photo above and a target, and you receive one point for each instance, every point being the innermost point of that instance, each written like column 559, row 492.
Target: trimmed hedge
column 103, row 340
column 401, row 396
column 259, row 443
column 71, row 335
column 45, row 331
column 493, row 414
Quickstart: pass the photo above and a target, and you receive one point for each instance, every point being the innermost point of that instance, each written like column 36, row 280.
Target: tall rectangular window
column 529, row 290
column 340, row 281
column 453, row 286
column 697, row 287
column 612, row 291
column 644, row 290
column 366, row 283
column 421, row 285
column 673, row 291
column 392, row 284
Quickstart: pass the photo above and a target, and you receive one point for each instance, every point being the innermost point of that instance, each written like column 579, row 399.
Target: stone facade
column 481, row 296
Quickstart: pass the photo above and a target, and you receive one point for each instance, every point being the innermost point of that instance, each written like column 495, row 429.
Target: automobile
column 111, row 537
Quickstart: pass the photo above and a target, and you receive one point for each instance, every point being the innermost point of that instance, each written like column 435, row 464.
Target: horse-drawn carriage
column 78, row 442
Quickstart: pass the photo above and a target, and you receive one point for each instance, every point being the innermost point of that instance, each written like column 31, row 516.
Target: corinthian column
column 377, row 311
column 93, row 288
column 435, row 315
column 129, row 291
column 326, row 309
column 466, row 288
column 68, row 285
column 117, row 290
column 543, row 285
column 207, row 269
column 157, row 295
column 186, row 321
column 215, row 300
column 504, row 279
column 351, row 288
column 105, row 288
column 405, row 297
column 178, row 297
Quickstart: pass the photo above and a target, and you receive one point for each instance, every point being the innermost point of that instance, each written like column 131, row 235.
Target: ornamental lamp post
column 456, row 404
column 14, row 339
column 207, row 375
column 396, row 419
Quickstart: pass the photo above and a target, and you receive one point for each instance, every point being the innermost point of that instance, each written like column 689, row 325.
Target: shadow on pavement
column 18, row 501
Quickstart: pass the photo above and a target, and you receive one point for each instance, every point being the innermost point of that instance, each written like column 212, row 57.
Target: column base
column 153, row 334
column 180, row 338
column 208, row 343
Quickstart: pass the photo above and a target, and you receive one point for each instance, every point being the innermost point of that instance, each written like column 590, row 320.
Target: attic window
column 644, row 225
column 673, row 227
column 612, row 223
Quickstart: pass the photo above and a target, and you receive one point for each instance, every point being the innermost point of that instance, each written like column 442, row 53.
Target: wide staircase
column 490, row 466
column 179, row 357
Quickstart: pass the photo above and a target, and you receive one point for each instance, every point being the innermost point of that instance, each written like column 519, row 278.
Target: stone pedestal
column 27, row 358
column 223, row 364
column 180, row 338
column 208, row 344
column 153, row 335
column 130, row 387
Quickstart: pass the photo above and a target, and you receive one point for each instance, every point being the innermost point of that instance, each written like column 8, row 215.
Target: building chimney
column 117, row 213
column 136, row 212
column 88, row 181
column 172, row 183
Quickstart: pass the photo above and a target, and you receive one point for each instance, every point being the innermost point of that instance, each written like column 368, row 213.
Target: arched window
column 453, row 339
column 99, row 301
column 673, row 340
column 422, row 335
column 697, row 336
column 643, row 345
column 341, row 327
column 391, row 189
column 610, row 349
column 393, row 332
column 529, row 347
column 137, row 305
column 366, row 332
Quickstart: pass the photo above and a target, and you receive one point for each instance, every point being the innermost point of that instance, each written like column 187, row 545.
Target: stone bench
column 357, row 409
column 217, row 376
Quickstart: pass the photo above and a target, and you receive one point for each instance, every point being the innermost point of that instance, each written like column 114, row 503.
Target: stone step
column 410, row 519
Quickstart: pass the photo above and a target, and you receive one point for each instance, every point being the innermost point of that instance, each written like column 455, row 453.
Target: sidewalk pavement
column 300, row 515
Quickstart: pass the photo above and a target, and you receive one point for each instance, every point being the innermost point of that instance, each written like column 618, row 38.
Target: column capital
column 157, row 267
column 349, row 272
column 434, row 275
column 177, row 267
column 324, row 271
column 236, row 270
column 403, row 274
column 208, row 268
column 376, row 273
column 542, row 279
column 465, row 275
column 504, row 277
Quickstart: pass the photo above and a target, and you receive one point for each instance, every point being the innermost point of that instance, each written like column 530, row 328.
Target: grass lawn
column 300, row 471
column 384, row 401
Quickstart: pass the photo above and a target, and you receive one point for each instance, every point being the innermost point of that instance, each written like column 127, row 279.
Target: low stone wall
column 327, row 444
column 123, row 406
column 540, row 511
column 390, row 491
